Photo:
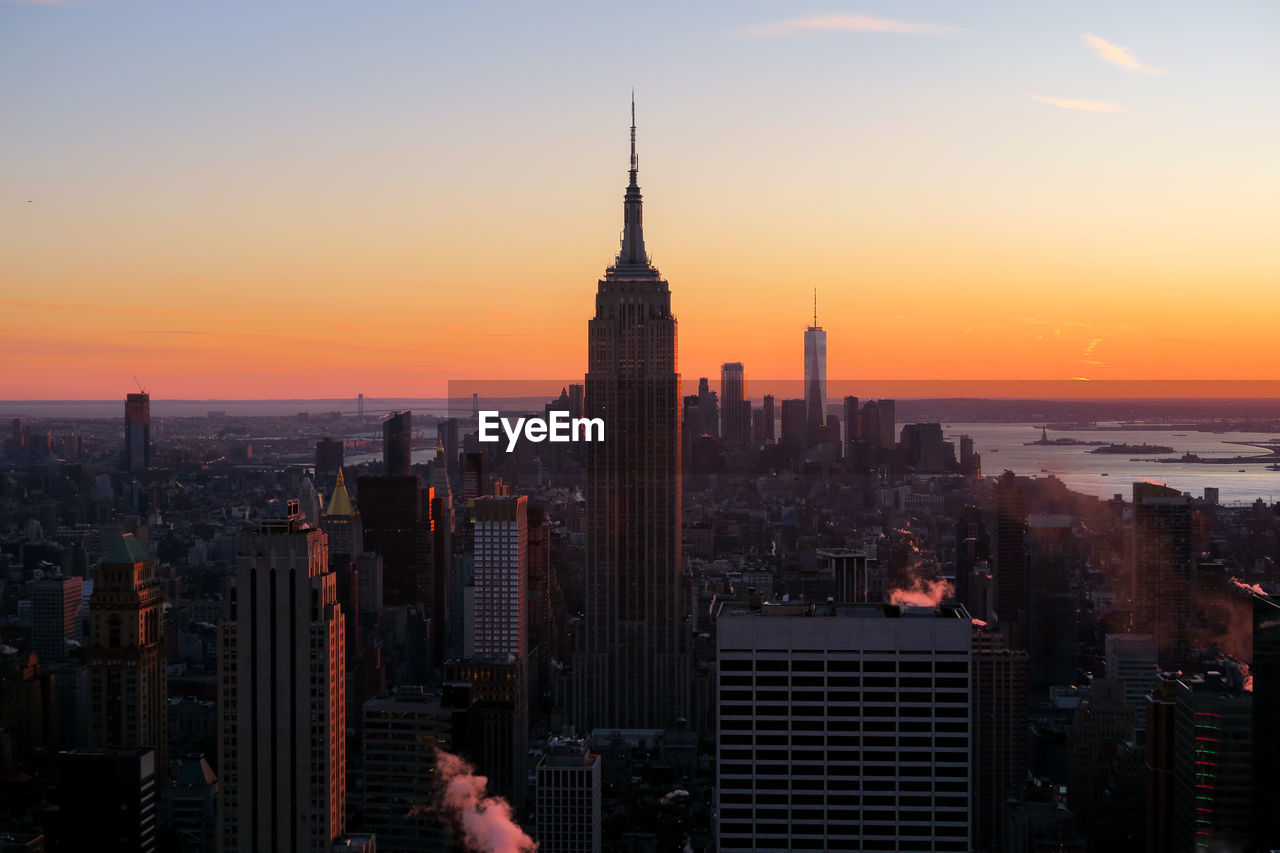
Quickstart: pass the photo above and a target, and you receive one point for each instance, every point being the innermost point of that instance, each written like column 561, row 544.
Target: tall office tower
column 501, row 578
column 998, row 704
column 972, row 544
column 401, row 735
column 886, row 411
column 128, row 690
column 690, row 427
column 735, row 418
column 635, row 663
column 106, row 800
column 473, row 483
column 543, row 629
column 1266, row 720
column 844, row 728
column 815, row 373
column 1132, row 660
column 497, row 723
column 709, row 406
column 568, row 798
column 852, row 421
column 924, row 449
column 869, row 423
column 282, row 692
column 445, row 617
column 341, row 523
column 55, row 617
column 447, row 433
column 1158, row 764
column 137, row 432
column 360, row 405
column 1162, row 569
column 396, row 520
column 794, row 435
column 1011, row 560
column 329, row 457
column 766, row 409
column 397, row 441
column 1213, row 796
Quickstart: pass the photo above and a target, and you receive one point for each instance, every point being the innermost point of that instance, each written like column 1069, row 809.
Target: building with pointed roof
column 634, row 670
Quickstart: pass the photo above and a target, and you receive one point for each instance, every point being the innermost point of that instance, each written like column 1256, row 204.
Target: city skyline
column 1018, row 198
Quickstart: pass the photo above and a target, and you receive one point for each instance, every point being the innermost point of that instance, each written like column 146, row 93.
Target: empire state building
column 634, row 667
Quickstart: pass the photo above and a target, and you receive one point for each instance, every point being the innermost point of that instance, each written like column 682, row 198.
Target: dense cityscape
column 736, row 623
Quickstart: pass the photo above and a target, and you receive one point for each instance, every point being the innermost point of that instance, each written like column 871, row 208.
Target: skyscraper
column 341, row 523
column 568, row 799
column 1011, row 559
column 397, row 434
column 55, row 616
column 735, row 417
column 1162, row 568
column 844, row 727
column 815, row 373
column 1265, row 685
column 501, row 576
column 127, row 685
column 137, row 431
column 106, row 800
column 282, row 692
column 635, row 665
column 329, row 453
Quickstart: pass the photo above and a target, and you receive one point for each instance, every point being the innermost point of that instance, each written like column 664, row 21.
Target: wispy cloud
column 839, row 23
column 1076, row 104
column 1087, row 357
column 1117, row 55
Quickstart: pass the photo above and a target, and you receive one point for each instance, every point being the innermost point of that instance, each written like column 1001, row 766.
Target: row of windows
column 835, row 665
column 839, row 799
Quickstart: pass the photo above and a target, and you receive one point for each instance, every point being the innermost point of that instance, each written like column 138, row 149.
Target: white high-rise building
column 501, row 574
column 568, row 798
column 843, row 727
column 282, row 693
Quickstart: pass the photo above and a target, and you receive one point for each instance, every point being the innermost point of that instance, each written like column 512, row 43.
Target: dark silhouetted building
column 999, row 736
column 794, row 436
column 137, row 431
column 1162, row 569
column 1011, row 560
column 395, row 518
column 634, row 667
column 1265, row 684
column 106, row 800
column 282, row 692
column 128, row 690
column 397, row 444
column 329, row 459
column 56, row 604
column 735, row 410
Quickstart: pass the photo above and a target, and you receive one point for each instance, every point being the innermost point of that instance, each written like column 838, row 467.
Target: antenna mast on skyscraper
column 815, row 307
column 635, row 165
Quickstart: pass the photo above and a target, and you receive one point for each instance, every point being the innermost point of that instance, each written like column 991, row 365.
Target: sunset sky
column 316, row 199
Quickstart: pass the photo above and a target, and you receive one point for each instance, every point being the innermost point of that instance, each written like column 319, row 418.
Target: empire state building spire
column 632, row 256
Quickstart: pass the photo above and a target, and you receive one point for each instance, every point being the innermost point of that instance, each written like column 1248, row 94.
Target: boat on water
column 1105, row 474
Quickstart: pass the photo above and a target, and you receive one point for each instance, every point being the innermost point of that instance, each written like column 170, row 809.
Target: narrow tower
column 634, row 669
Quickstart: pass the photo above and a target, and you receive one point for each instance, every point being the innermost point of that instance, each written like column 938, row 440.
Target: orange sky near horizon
column 305, row 234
